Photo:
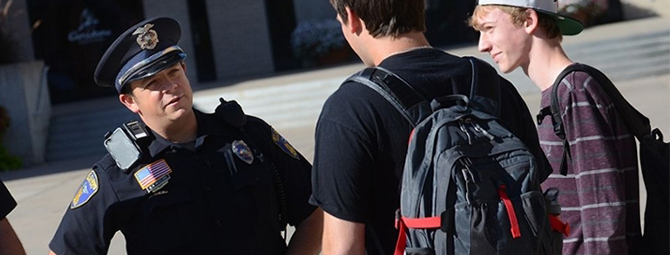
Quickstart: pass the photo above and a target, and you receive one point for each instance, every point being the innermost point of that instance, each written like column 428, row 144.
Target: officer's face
column 162, row 98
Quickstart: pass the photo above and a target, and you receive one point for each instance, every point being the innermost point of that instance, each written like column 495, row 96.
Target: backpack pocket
column 534, row 210
column 486, row 228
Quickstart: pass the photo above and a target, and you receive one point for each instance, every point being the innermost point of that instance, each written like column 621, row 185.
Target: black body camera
column 127, row 143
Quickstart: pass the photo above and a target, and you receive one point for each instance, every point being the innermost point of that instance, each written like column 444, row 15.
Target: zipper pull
column 462, row 126
column 483, row 131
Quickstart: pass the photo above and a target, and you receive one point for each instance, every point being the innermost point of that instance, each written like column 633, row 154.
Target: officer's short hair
column 141, row 51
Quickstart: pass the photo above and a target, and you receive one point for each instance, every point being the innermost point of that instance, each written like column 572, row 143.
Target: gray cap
column 568, row 25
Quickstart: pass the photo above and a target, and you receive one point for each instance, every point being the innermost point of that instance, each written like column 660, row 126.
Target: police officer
column 181, row 181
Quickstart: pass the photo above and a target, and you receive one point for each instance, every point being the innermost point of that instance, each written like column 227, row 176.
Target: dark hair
column 385, row 17
column 126, row 89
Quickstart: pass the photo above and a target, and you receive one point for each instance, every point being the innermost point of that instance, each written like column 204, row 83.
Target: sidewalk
column 43, row 192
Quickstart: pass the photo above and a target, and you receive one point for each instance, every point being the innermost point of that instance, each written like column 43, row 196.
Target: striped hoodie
column 599, row 195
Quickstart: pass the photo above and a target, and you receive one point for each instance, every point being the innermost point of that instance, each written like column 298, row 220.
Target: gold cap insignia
column 148, row 38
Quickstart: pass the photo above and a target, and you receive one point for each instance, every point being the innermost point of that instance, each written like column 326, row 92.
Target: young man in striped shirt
column 600, row 192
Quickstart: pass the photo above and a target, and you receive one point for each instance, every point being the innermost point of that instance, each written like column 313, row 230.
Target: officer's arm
column 342, row 237
column 9, row 242
column 307, row 236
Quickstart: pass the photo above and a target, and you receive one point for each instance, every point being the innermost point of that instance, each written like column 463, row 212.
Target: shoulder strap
column 636, row 121
column 394, row 89
column 486, row 98
column 411, row 104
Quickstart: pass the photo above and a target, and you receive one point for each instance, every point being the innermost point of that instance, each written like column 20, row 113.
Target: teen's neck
column 546, row 61
column 389, row 46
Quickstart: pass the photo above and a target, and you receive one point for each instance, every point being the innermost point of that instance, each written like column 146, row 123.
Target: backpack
column 654, row 157
column 469, row 185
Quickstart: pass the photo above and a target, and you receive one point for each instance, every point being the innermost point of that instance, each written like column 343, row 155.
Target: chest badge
column 86, row 190
column 242, row 151
column 154, row 176
column 284, row 145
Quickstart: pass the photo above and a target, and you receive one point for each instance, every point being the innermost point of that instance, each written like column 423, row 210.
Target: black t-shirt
column 361, row 140
column 215, row 196
column 7, row 202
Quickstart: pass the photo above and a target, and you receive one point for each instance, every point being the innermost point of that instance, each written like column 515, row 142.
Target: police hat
column 141, row 51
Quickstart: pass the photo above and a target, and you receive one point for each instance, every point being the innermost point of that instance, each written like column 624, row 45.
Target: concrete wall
column 17, row 26
column 240, row 38
column 25, row 95
column 309, row 10
column 178, row 10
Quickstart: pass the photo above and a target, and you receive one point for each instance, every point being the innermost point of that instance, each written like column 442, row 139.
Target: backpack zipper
column 481, row 130
column 461, row 124
column 468, row 177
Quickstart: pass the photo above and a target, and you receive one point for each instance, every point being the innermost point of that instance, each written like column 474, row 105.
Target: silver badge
column 148, row 38
column 242, row 151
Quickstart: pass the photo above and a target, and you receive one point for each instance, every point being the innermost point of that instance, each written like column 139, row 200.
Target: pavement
column 43, row 192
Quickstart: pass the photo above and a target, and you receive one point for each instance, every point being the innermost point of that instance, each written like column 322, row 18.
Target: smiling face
column 507, row 43
column 162, row 99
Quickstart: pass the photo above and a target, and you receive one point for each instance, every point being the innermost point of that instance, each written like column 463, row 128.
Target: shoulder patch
column 283, row 144
column 86, row 190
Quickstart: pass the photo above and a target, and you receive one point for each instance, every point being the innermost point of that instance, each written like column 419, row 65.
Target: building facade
column 225, row 40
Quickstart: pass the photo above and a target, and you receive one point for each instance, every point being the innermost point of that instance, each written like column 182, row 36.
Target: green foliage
column 7, row 161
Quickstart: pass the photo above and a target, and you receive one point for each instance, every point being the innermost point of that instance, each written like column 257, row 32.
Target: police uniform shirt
column 7, row 202
column 217, row 200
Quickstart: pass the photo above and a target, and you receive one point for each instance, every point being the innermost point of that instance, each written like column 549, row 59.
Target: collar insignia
column 242, row 151
column 147, row 38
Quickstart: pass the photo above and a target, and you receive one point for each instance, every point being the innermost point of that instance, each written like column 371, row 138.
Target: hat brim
column 567, row 25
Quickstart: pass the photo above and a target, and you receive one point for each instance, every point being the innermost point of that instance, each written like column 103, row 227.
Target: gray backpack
column 469, row 185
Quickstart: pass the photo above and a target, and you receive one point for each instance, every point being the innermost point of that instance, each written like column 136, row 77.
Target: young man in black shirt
column 361, row 139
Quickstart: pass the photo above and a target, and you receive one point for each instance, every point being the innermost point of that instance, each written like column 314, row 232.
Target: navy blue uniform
column 216, row 200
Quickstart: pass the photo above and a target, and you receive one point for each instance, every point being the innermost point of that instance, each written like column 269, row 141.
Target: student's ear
column 354, row 23
column 130, row 102
column 531, row 23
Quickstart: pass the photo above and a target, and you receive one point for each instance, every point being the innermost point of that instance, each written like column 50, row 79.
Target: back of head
column 386, row 17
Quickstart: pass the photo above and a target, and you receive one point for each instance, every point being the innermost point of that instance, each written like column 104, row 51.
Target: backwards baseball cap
column 568, row 26
column 142, row 51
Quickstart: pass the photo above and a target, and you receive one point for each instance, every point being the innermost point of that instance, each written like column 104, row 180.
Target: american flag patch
column 151, row 173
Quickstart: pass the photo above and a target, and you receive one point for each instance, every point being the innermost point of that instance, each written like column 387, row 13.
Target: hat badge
column 148, row 38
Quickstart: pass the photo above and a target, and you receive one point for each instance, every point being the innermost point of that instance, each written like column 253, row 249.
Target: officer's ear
column 129, row 101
